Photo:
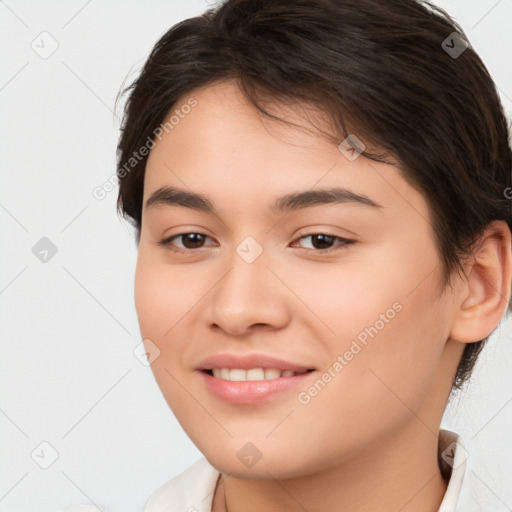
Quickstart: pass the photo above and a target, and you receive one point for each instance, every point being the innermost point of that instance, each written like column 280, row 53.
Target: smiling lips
column 250, row 379
column 239, row 374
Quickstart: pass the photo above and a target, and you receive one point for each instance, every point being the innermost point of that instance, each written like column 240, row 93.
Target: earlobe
column 482, row 298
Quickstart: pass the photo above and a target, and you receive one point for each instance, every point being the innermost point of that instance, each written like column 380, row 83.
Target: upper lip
column 249, row 361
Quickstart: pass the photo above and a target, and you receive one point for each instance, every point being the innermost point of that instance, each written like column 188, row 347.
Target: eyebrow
column 172, row 196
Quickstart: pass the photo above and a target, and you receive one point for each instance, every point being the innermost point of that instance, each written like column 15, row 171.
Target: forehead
column 225, row 149
column 224, row 125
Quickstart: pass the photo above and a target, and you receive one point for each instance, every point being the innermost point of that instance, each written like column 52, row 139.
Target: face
column 341, row 290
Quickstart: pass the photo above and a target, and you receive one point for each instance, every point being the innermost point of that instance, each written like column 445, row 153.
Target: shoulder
column 190, row 491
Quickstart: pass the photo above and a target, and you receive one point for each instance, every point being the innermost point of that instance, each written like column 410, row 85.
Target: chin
column 266, row 464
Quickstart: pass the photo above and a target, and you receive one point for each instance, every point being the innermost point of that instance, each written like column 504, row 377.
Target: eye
column 323, row 242
column 320, row 242
column 189, row 242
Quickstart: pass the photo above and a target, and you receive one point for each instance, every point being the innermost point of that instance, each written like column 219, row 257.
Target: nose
column 249, row 297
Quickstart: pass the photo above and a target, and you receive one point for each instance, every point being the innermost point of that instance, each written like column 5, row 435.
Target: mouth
column 252, row 386
column 252, row 374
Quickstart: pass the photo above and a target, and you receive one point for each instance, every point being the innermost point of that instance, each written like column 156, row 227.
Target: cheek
column 161, row 299
column 332, row 295
column 164, row 294
column 393, row 371
column 339, row 301
column 381, row 385
column 388, row 324
column 149, row 297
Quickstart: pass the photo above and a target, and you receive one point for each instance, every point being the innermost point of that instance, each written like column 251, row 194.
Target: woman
column 318, row 190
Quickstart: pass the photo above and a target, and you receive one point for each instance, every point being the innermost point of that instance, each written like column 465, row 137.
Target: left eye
column 321, row 242
column 324, row 241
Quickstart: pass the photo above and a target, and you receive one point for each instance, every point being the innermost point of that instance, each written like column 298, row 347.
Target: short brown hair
column 381, row 70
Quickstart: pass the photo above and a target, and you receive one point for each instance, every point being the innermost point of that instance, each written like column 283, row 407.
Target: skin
column 375, row 425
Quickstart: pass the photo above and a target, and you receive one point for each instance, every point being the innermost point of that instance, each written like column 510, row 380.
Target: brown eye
column 185, row 242
column 325, row 242
column 322, row 241
column 192, row 240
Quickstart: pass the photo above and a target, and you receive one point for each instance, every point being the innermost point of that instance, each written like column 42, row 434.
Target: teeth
column 272, row 373
column 253, row 374
column 238, row 374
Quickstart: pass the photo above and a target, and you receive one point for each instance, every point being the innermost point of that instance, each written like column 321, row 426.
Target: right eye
column 189, row 242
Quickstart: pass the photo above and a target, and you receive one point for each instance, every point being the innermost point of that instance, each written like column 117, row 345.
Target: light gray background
column 68, row 327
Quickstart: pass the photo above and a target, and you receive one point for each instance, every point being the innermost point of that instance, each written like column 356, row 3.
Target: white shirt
column 193, row 489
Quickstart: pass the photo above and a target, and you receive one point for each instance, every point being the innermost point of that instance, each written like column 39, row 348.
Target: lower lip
column 251, row 392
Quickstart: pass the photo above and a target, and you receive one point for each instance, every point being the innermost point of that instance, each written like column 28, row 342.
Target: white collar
column 454, row 455
column 193, row 489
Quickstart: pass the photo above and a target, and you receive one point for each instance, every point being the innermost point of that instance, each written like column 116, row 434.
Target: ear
column 482, row 298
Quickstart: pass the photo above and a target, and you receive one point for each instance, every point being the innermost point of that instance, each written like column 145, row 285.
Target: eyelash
column 166, row 243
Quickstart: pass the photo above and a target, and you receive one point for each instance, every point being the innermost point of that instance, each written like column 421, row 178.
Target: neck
column 387, row 478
